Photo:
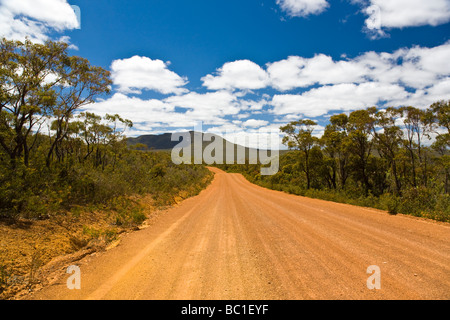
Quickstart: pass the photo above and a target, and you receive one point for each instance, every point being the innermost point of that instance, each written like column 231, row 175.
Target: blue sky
column 200, row 36
column 248, row 65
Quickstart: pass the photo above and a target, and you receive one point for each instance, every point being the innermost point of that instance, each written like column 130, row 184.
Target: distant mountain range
column 154, row 141
column 163, row 142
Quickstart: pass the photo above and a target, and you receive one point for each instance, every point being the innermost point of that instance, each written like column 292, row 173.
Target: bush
column 390, row 202
column 39, row 192
column 127, row 212
column 418, row 200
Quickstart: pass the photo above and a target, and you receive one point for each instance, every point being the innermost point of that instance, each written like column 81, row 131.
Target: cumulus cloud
column 307, row 87
column 295, row 72
column 415, row 67
column 406, row 13
column 261, row 137
column 208, row 107
column 154, row 112
column 138, row 73
column 253, row 123
column 303, row 8
column 422, row 98
column 34, row 19
column 217, row 109
column 387, row 14
column 342, row 97
column 177, row 111
column 240, row 74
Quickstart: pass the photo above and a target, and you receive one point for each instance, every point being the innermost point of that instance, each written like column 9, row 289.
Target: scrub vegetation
column 395, row 159
column 67, row 176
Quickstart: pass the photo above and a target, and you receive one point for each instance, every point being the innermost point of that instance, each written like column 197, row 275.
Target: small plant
column 4, row 276
column 391, row 203
column 76, row 211
column 92, row 233
column 35, row 263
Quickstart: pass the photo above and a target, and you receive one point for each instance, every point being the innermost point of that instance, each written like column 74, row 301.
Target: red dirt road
column 237, row 240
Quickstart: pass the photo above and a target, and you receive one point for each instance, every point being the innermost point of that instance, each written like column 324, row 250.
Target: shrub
column 390, row 202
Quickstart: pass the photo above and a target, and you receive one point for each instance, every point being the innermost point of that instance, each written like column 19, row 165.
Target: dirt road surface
column 236, row 240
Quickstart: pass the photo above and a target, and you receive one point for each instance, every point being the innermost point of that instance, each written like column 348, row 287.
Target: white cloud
column 303, row 8
column 209, row 107
column 138, row 73
column 182, row 111
column 251, row 105
column 153, row 111
column 405, row 13
column 57, row 14
column 19, row 29
column 66, row 39
column 343, row 97
column 416, row 67
column 253, row 123
column 423, row 98
column 416, row 76
column 295, row 72
column 240, row 74
column 267, row 137
column 440, row 91
column 35, row 18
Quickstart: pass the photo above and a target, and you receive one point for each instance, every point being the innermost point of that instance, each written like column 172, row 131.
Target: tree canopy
column 39, row 82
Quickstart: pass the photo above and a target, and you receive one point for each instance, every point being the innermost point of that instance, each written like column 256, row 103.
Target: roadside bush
column 391, row 203
column 128, row 213
column 418, row 200
column 37, row 193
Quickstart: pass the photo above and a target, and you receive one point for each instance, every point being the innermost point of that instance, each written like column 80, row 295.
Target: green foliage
column 84, row 159
column 391, row 203
column 127, row 212
column 32, row 193
column 40, row 81
column 386, row 159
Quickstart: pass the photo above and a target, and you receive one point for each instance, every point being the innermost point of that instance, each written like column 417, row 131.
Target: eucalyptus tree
column 299, row 136
column 335, row 145
column 39, row 81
